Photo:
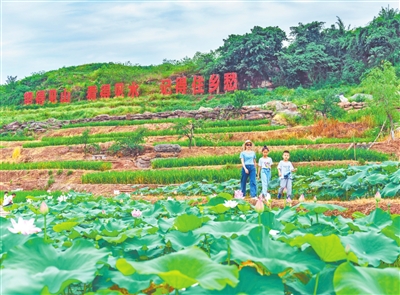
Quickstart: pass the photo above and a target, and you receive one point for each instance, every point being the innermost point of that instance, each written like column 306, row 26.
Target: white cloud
column 49, row 35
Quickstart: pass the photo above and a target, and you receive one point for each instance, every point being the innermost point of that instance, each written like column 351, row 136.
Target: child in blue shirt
column 248, row 159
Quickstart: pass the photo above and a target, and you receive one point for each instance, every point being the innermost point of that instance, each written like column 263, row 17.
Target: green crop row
column 105, row 137
column 273, row 142
column 174, row 176
column 206, row 123
column 300, row 155
column 83, row 165
column 16, row 138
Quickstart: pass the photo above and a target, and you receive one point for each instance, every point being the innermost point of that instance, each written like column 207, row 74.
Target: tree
column 131, row 145
column 325, row 102
column 383, row 84
column 253, row 55
column 186, row 129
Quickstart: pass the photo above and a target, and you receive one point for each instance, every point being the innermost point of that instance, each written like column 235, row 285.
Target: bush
column 131, row 145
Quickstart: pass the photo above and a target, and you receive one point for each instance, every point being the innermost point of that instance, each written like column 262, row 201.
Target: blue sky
column 47, row 35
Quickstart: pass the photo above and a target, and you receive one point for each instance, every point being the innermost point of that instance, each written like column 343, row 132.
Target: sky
column 47, row 35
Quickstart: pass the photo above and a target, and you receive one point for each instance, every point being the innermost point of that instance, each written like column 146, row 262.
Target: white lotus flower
column 25, row 227
column 170, row 199
column 62, row 198
column 230, row 204
column 49, row 197
column 273, row 232
column 29, row 201
column 116, row 192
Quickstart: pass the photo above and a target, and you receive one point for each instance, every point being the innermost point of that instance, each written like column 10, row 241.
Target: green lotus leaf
column 185, row 222
column 9, row 240
column 43, row 265
column 250, row 283
column 354, row 180
column 66, row 225
column 175, row 207
column 113, row 240
column 105, row 292
column 269, row 220
column 133, row 283
column 244, row 207
column 372, row 247
column 225, row 228
column 319, row 208
column 149, row 241
column 165, row 224
column 391, row 189
column 275, row 256
column 187, row 267
column 376, row 178
column 393, row 231
column 325, row 283
column 328, row 248
column 113, row 227
column 377, row 219
column 286, row 215
column 219, row 209
column 180, row 240
column 153, row 211
column 215, row 201
column 349, row 279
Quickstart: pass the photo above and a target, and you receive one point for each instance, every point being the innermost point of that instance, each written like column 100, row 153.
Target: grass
column 300, row 155
column 273, row 142
column 83, row 165
column 175, row 176
column 16, row 138
column 106, row 137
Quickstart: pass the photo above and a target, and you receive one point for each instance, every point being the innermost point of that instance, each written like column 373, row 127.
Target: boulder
column 143, row 162
column 202, row 109
column 342, row 98
column 167, row 148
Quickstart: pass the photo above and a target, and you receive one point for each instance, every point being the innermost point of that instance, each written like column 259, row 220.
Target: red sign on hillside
column 198, row 85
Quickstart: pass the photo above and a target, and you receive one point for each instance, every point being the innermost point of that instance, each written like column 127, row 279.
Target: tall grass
column 300, row 155
column 83, row 165
column 174, row 176
column 16, row 138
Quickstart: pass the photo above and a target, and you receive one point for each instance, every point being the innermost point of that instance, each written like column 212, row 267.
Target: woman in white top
column 248, row 158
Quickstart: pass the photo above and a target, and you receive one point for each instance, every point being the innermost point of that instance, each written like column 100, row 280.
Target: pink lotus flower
column 238, row 194
column 136, row 213
column 302, row 199
column 103, row 212
column 25, row 227
column 44, row 209
column 259, row 207
column 378, row 196
column 230, row 204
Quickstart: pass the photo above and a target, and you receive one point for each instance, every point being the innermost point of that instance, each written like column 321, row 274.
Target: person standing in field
column 285, row 169
column 264, row 170
column 249, row 164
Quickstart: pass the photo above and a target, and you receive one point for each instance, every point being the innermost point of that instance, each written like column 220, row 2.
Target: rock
column 143, row 162
column 103, row 117
column 167, row 148
column 342, row 98
column 256, row 116
column 12, row 126
column 205, row 109
column 289, row 113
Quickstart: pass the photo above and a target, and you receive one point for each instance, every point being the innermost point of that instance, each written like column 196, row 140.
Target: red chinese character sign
column 105, row 91
column 40, row 97
column 28, row 97
column 119, row 89
column 181, row 85
column 198, row 85
column 133, row 90
column 65, row 97
column 91, row 93
column 165, row 87
column 213, row 84
column 230, row 82
column 53, row 95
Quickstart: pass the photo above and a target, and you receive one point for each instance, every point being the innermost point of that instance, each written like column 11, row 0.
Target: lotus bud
column 44, row 209
column 378, row 196
column 136, row 213
column 103, row 212
column 315, row 199
column 347, row 249
column 302, row 199
column 259, row 208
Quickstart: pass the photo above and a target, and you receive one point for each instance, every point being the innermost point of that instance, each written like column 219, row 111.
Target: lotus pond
column 79, row 244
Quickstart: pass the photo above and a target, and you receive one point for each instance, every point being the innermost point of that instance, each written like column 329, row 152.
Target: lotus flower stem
column 259, row 219
column 229, row 252
column 316, row 284
column 176, row 292
column 317, row 217
column 45, row 231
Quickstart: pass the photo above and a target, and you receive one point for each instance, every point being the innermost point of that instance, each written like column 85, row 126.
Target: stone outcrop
column 167, row 148
column 347, row 106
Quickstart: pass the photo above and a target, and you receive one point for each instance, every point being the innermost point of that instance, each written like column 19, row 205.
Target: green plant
column 50, row 172
column 186, row 129
column 60, row 171
column 130, row 145
column 70, row 172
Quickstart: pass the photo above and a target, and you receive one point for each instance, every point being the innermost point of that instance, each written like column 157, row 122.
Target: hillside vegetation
column 318, row 56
